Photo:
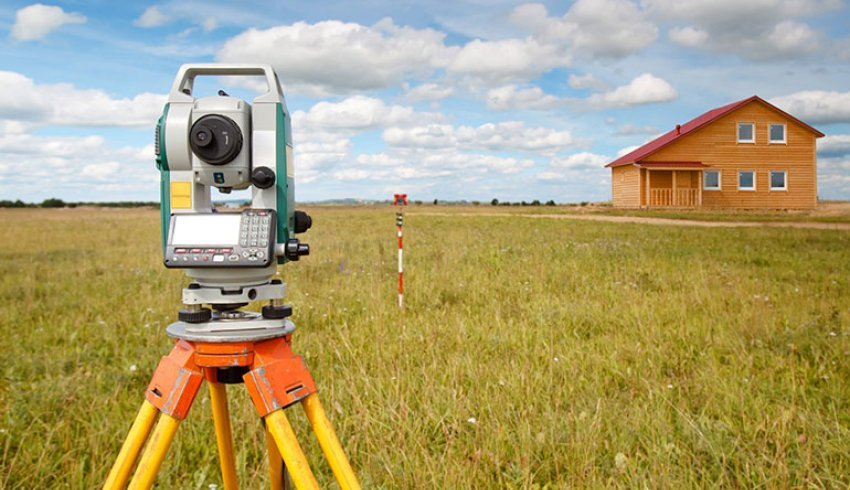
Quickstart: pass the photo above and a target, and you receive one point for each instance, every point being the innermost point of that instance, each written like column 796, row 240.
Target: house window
column 746, row 133
column 778, row 180
column 711, row 180
column 776, row 133
column 746, row 180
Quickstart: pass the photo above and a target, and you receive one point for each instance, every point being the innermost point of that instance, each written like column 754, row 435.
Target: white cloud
column 627, row 150
column 152, row 17
column 816, row 106
column 507, row 60
column 580, row 160
column 24, row 101
column 38, row 20
column 504, row 136
column 581, row 167
column 427, row 91
column 85, row 166
column 834, row 145
column 357, row 113
column 333, row 57
column 690, row 36
column 630, row 129
column 759, row 30
column 591, row 28
column 644, row 89
column 586, row 82
column 409, row 165
column 513, row 97
column 100, row 171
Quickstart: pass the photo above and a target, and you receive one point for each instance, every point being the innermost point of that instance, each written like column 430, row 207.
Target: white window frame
column 784, row 180
column 719, row 181
column 784, row 139
column 748, row 189
column 738, row 132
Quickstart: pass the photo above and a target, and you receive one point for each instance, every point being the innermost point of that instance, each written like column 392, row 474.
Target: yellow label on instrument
column 181, row 195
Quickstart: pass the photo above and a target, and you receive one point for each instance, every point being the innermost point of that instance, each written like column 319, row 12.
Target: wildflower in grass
column 621, row 461
column 133, row 368
column 472, row 420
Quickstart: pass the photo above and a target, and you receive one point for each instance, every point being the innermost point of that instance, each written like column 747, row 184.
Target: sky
column 468, row 99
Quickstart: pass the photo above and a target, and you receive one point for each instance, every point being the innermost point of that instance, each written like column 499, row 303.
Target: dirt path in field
column 664, row 221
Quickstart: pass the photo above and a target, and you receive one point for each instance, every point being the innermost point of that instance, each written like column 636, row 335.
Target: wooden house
column 747, row 154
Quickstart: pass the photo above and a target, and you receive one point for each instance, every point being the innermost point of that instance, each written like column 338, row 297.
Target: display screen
column 206, row 229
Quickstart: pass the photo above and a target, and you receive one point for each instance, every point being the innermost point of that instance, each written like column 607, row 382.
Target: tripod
column 275, row 378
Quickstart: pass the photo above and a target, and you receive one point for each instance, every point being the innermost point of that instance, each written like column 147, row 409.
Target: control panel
column 216, row 240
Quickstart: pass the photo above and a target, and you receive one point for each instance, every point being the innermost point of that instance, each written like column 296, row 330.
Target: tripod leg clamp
column 175, row 382
column 279, row 378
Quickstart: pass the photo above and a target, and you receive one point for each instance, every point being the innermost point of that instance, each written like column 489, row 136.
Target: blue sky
column 468, row 99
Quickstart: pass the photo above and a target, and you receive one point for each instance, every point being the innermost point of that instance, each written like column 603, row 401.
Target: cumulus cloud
column 761, row 31
column 690, row 36
column 83, row 165
column 590, row 28
column 152, row 17
column 504, row 136
column 586, row 82
column 816, row 106
column 38, row 20
column 507, row 60
column 581, row 167
column 419, row 163
column 630, row 129
column 427, row 91
column 834, row 145
column 644, row 89
column 513, row 97
column 358, row 113
column 332, row 57
column 63, row 104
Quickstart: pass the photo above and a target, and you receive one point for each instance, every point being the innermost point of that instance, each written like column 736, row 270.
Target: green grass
column 827, row 212
column 589, row 354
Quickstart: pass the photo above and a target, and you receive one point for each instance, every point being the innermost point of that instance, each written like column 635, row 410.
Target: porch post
column 675, row 200
column 699, row 189
column 648, row 189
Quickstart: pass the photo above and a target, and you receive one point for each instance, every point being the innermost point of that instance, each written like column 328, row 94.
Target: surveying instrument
column 231, row 259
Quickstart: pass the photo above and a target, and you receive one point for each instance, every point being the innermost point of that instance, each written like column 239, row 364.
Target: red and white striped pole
column 400, row 200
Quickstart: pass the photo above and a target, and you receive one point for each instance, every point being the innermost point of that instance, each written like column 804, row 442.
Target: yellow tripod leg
column 275, row 463
column 120, row 472
column 329, row 442
column 154, row 453
column 290, row 450
column 223, row 437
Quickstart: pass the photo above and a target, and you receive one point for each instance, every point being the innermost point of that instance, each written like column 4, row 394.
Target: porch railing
column 674, row 198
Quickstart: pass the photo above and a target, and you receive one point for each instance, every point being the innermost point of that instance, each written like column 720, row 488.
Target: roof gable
column 697, row 123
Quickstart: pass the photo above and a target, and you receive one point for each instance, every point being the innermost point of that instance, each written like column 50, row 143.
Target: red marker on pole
column 400, row 200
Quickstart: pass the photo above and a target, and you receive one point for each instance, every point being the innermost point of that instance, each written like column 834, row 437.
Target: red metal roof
column 645, row 164
column 694, row 124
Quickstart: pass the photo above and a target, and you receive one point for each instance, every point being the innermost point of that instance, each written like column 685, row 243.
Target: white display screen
column 206, row 229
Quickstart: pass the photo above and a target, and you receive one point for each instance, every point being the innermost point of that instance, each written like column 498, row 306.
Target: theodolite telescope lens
column 215, row 139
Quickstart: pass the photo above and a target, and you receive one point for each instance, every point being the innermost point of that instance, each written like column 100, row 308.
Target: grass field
column 531, row 354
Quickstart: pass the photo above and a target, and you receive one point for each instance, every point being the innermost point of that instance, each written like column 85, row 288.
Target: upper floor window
column 776, row 133
column 746, row 133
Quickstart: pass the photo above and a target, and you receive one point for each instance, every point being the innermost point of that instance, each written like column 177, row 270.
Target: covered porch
column 671, row 184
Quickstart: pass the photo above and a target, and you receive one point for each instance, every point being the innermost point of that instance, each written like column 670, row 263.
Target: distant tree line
column 536, row 202
column 53, row 202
